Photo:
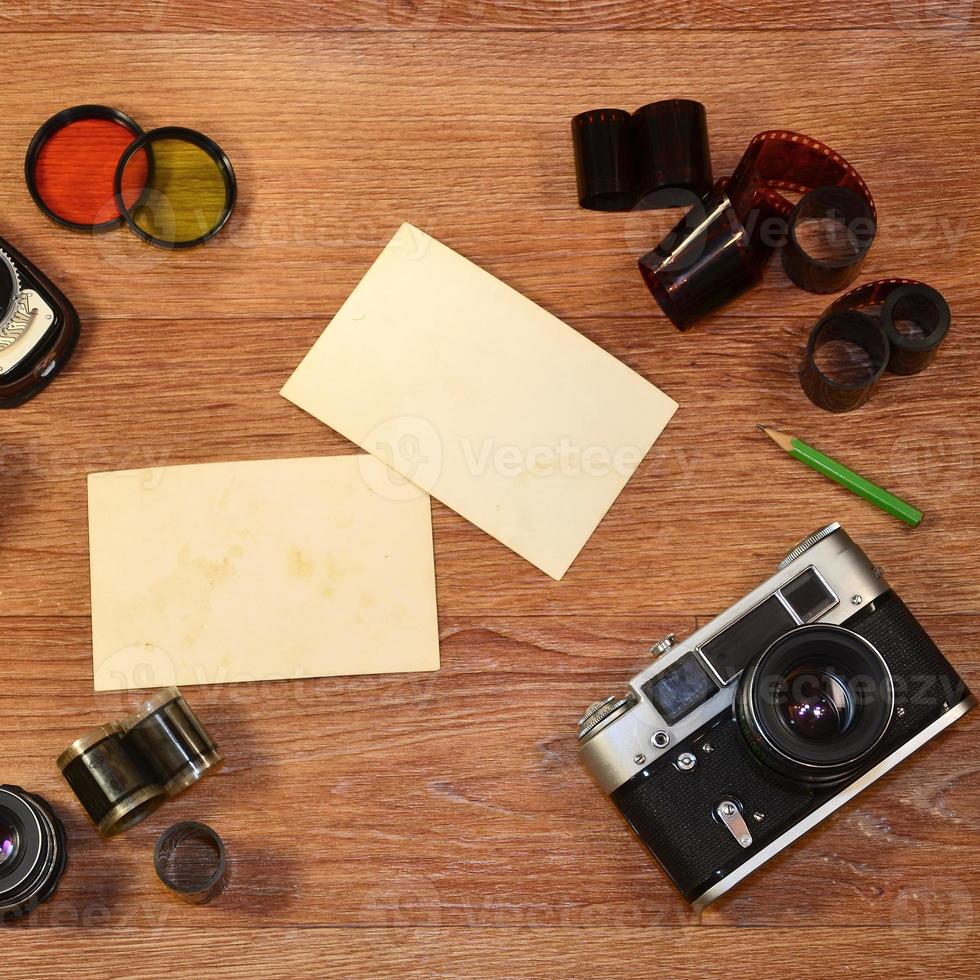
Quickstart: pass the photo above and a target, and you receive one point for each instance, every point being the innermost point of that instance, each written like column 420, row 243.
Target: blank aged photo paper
column 483, row 399
column 228, row 572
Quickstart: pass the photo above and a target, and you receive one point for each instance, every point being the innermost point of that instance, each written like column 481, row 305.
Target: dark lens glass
column 816, row 705
column 8, row 840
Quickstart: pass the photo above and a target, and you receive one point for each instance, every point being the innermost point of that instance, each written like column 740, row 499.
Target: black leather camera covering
column 672, row 811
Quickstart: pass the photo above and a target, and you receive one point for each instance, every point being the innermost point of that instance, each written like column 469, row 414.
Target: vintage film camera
column 38, row 328
column 737, row 741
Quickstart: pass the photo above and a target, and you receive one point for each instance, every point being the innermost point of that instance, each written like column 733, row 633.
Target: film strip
column 656, row 157
column 721, row 247
column 898, row 324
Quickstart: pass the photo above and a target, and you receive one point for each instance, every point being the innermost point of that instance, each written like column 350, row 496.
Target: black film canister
column 847, row 221
column 924, row 316
column 190, row 860
column 849, row 386
column 167, row 735
column 115, row 786
column 604, row 164
column 673, row 160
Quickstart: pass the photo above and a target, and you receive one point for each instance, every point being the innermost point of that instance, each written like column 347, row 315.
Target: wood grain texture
column 440, row 825
column 105, row 16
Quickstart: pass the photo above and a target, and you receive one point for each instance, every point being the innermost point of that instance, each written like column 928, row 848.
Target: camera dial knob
column 807, row 543
column 662, row 646
column 599, row 712
column 9, row 289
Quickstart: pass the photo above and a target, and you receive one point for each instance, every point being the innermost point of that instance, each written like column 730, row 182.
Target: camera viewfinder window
column 680, row 688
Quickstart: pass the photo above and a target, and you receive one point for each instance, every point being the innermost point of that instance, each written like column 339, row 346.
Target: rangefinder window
column 680, row 689
column 730, row 652
column 809, row 596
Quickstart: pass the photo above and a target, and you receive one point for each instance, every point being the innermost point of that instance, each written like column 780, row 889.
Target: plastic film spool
column 658, row 157
column 170, row 738
column 854, row 224
column 190, row 859
column 850, row 327
column 912, row 304
column 116, row 787
column 691, row 273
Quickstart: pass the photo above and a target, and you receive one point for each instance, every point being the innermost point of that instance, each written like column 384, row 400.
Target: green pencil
column 830, row 468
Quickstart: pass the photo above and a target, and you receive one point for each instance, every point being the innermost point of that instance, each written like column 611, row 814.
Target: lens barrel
column 34, row 852
column 815, row 704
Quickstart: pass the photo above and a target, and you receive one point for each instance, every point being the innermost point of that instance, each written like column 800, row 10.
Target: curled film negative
column 116, row 787
column 896, row 325
column 915, row 316
column 122, row 771
column 829, row 262
column 190, row 859
column 721, row 247
column 656, row 157
column 169, row 737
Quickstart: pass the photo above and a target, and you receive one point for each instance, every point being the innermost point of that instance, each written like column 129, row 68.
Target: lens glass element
column 8, row 840
column 816, row 705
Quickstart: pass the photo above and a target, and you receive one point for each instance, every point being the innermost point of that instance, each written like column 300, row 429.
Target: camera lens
column 816, row 706
column 33, row 852
column 815, row 703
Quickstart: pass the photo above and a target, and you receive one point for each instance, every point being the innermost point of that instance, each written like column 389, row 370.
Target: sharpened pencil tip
column 761, row 427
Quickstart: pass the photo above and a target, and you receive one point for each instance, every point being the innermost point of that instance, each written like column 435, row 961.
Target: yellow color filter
column 189, row 190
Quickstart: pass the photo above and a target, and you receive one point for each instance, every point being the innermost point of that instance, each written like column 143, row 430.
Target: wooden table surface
column 440, row 824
